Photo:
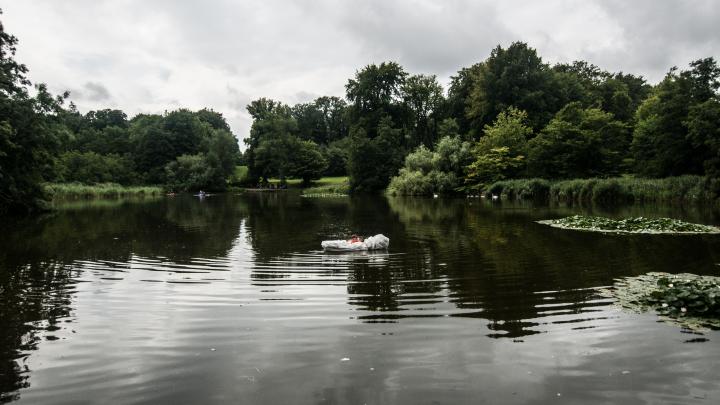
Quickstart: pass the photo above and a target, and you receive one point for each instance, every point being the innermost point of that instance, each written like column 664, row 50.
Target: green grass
column 619, row 189
column 74, row 191
column 323, row 181
column 333, row 190
column 328, row 187
column 239, row 175
column 331, row 181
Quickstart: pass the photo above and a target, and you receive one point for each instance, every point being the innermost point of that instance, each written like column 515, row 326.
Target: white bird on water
column 495, row 197
column 435, row 196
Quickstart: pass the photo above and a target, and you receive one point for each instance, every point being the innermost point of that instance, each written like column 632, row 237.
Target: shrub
column 427, row 172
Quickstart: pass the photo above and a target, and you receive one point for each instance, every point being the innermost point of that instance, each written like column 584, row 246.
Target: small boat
column 377, row 242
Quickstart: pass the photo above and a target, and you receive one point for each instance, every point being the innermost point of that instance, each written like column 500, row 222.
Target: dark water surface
column 229, row 300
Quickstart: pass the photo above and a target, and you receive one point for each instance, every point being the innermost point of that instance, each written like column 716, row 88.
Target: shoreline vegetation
column 681, row 189
column 75, row 191
column 500, row 126
column 328, row 187
column 640, row 225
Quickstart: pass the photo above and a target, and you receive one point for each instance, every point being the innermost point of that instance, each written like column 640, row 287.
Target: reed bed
column 611, row 190
column 75, row 191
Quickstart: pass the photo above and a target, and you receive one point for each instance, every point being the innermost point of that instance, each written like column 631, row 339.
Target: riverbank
column 325, row 186
column 75, row 191
column 611, row 190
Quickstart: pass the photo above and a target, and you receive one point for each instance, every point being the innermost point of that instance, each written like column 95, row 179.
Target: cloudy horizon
column 151, row 57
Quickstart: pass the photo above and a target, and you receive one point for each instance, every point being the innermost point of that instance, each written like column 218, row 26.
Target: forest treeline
column 44, row 140
column 510, row 116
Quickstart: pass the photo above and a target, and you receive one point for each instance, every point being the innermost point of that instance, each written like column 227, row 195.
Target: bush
column 428, row 172
column 189, row 172
column 410, row 182
column 628, row 189
column 521, row 189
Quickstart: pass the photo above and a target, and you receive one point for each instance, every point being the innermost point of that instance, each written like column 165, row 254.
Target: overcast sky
column 156, row 55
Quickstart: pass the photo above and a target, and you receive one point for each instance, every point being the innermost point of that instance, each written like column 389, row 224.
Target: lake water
column 230, row 300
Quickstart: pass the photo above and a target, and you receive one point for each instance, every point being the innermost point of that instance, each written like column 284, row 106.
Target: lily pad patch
column 638, row 225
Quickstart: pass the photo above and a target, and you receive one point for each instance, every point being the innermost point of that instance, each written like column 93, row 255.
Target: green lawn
column 239, row 175
column 322, row 182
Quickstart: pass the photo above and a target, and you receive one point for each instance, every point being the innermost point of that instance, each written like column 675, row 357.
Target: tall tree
column 459, row 97
column 29, row 132
column 376, row 92
column 213, row 118
column 423, row 96
column 661, row 143
column 373, row 161
column 578, row 143
column 516, row 77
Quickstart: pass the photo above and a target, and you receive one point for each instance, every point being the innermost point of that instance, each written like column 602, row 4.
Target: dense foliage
column 521, row 117
column 687, row 188
column 429, row 172
column 41, row 140
column 511, row 116
column 30, row 132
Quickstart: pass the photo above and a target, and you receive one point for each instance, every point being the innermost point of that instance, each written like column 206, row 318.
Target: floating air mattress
column 377, row 242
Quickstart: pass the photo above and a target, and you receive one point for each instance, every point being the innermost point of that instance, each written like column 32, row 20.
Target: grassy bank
column 322, row 182
column 621, row 189
column 328, row 187
column 75, row 191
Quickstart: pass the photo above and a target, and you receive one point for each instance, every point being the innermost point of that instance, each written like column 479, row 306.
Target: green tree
column 459, row 98
column 221, row 157
column 375, row 93
column 423, row 96
column 307, row 162
column 516, row 77
column 92, row 168
column 29, row 133
column 619, row 93
column 509, row 130
column 428, row 172
column 158, row 140
column 102, row 119
column 493, row 165
column 213, row 118
column 704, row 133
column 334, row 111
column 188, row 173
column 270, row 145
column 373, row 161
column 578, row 143
column 661, row 143
column 337, row 154
column 267, row 153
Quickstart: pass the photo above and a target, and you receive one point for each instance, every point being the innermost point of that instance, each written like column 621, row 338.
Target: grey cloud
column 238, row 100
column 202, row 53
column 95, row 92
column 426, row 36
column 662, row 34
